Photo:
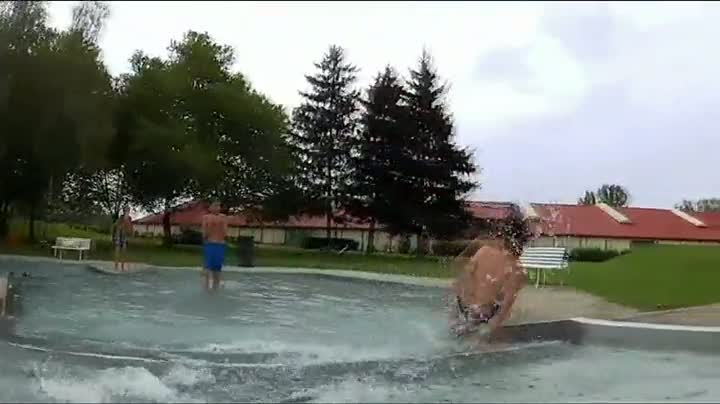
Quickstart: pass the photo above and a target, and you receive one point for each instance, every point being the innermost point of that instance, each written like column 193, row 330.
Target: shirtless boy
column 122, row 229
column 491, row 279
column 214, row 231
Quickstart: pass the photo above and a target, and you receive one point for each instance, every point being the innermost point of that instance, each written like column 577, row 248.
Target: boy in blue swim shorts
column 214, row 230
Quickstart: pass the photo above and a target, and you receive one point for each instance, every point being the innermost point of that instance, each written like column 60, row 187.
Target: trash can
column 246, row 251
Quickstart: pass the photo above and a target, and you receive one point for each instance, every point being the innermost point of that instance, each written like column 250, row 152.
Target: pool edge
column 341, row 273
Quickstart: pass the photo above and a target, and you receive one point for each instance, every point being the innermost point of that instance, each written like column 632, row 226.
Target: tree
column 160, row 165
column 322, row 135
column 254, row 158
column 431, row 177
column 376, row 147
column 101, row 190
column 613, row 195
column 701, row 205
column 198, row 130
column 52, row 82
column 102, row 187
column 588, row 199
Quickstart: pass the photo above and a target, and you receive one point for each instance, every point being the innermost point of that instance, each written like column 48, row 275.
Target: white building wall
column 582, row 242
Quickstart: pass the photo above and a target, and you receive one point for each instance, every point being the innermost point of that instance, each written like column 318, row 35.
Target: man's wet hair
column 514, row 230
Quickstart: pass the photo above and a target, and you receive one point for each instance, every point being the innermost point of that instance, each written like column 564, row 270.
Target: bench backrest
column 72, row 242
column 544, row 258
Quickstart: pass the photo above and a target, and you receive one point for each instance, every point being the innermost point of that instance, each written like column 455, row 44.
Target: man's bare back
column 488, row 287
column 215, row 227
column 485, row 274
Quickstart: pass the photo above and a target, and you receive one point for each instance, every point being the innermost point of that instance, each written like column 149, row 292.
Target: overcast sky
column 554, row 98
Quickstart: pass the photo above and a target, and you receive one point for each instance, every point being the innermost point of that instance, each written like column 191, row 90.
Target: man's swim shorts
column 213, row 256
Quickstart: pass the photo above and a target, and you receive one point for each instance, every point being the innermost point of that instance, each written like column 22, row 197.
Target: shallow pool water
column 158, row 337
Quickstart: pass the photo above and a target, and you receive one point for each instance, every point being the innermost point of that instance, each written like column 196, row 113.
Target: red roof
column 489, row 210
column 646, row 224
column 190, row 214
column 557, row 219
column 711, row 219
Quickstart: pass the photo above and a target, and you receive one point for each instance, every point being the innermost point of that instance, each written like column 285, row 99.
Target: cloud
column 644, row 123
column 555, row 97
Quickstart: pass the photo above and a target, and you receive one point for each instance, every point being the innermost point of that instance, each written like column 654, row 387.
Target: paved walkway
column 708, row 316
column 555, row 303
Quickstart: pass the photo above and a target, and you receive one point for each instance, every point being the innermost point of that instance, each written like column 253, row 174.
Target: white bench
column 542, row 259
column 71, row 243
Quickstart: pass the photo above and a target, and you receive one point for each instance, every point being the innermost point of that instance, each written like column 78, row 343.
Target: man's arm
column 203, row 228
column 225, row 226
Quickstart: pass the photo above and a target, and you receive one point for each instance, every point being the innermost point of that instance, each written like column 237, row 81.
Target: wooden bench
column 542, row 259
column 71, row 243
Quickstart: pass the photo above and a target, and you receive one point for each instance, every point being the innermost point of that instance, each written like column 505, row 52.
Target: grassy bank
column 654, row 277
column 648, row 278
column 150, row 251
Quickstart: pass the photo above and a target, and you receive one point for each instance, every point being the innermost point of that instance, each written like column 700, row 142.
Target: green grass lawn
column 647, row 278
column 653, row 277
column 150, row 251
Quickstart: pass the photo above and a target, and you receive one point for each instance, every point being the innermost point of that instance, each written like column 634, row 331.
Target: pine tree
column 377, row 146
column 323, row 131
column 435, row 171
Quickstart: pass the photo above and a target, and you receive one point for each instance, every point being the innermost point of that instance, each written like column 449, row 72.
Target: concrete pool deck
column 533, row 305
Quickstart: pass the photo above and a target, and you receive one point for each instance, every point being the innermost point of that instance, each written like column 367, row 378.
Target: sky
column 553, row 98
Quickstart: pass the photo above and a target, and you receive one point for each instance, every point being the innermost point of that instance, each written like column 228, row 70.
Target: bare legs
column 117, row 257
column 206, row 278
column 120, row 259
column 207, row 283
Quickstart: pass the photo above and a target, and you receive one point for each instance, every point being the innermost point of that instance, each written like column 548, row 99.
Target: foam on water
column 354, row 390
column 128, row 384
column 306, row 353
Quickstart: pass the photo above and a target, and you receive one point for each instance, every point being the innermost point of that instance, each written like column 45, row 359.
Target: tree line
column 76, row 140
column 611, row 194
column 618, row 196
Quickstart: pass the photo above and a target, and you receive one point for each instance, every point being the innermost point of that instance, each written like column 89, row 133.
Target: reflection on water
column 159, row 337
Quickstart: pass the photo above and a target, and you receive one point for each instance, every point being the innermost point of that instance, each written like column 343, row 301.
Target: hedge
column 314, row 243
column 592, row 254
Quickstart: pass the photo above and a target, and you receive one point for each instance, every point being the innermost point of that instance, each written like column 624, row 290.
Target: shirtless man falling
column 491, row 279
column 214, row 230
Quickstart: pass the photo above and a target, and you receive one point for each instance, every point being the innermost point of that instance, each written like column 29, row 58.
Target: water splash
column 128, row 384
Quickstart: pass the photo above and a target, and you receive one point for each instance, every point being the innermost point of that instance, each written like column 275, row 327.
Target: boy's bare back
column 214, row 228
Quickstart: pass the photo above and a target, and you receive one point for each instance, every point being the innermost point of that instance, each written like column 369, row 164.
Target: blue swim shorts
column 213, row 256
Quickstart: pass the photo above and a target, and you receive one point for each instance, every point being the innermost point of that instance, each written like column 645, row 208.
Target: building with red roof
column 619, row 228
column 571, row 226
